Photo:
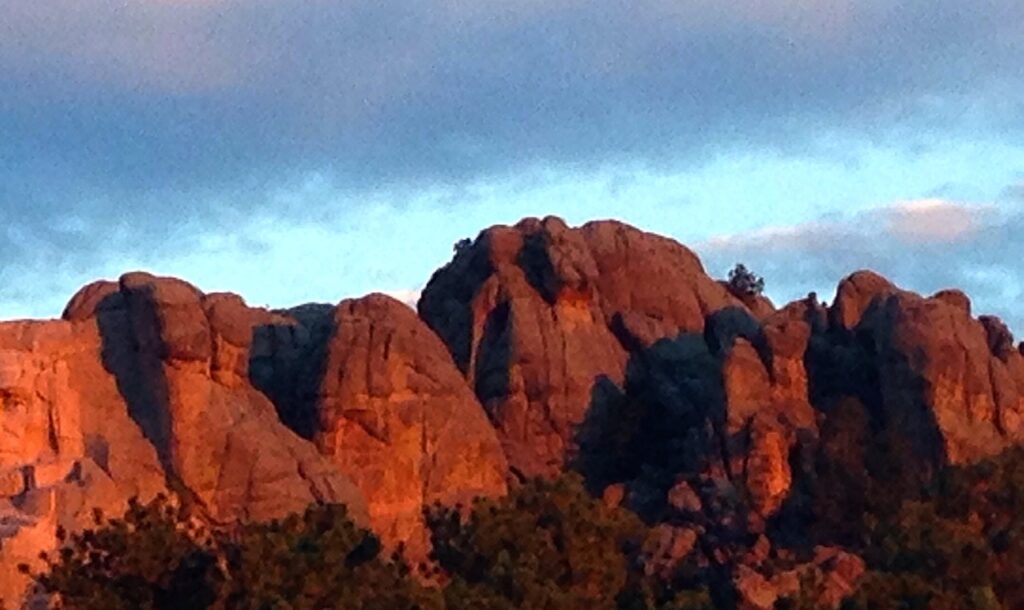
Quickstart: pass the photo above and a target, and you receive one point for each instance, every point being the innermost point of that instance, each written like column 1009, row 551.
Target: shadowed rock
column 287, row 360
column 746, row 432
column 377, row 392
column 534, row 314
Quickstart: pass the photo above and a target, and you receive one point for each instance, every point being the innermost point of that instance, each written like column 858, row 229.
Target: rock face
column 535, row 314
column 142, row 389
column 68, row 444
column 540, row 316
column 543, row 319
column 708, row 426
column 611, row 351
column 397, row 417
column 538, row 348
column 766, row 399
column 375, row 390
column 181, row 360
column 950, row 385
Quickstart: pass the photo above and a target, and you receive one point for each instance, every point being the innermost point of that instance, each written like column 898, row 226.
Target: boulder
column 833, row 573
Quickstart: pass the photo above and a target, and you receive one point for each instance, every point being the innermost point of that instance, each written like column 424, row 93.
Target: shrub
column 153, row 558
column 743, row 283
column 319, row 559
column 549, row 544
column 156, row 558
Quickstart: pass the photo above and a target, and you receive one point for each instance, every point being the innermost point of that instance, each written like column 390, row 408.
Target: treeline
column 548, row 545
column 958, row 545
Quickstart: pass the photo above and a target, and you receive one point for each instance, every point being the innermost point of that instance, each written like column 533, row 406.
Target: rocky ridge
column 539, row 348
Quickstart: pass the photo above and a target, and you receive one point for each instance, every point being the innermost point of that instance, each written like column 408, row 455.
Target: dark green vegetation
column 156, row 557
column 959, row 546
column 956, row 545
column 744, row 283
column 546, row 546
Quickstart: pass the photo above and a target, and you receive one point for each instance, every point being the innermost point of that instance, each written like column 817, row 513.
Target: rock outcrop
column 540, row 347
column 535, row 314
column 539, row 315
column 949, row 386
column 682, row 386
column 375, row 390
column 142, row 389
column 397, row 417
column 68, row 444
column 181, row 359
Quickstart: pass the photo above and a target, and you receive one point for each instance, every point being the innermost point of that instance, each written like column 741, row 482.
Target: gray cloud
column 1015, row 191
column 155, row 94
column 136, row 126
column 921, row 246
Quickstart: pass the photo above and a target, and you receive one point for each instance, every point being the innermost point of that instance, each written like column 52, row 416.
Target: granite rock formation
column 396, row 416
column 68, row 443
column 142, row 389
column 538, row 348
column 534, row 314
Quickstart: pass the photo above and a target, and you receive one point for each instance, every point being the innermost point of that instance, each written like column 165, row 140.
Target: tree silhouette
column 743, row 283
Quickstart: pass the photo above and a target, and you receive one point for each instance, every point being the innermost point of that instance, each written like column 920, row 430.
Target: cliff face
column 539, row 348
column 68, row 442
column 535, row 314
column 610, row 351
column 142, row 389
column 146, row 387
column 395, row 415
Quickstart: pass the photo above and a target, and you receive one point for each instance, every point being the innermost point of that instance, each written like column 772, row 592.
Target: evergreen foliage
column 960, row 547
column 744, row 283
column 548, row 545
column 157, row 558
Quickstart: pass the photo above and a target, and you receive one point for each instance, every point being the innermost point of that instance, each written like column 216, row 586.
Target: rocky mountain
column 740, row 430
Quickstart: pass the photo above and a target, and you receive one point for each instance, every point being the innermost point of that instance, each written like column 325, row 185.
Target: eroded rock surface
column 181, row 358
column 540, row 347
column 396, row 415
column 535, row 314
column 68, row 444
column 142, row 389
column 949, row 385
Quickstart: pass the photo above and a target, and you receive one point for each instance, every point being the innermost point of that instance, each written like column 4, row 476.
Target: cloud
column 409, row 296
column 1015, row 191
column 923, row 246
column 921, row 222
column 932, row 220
column 132, row 129
column 153, row 93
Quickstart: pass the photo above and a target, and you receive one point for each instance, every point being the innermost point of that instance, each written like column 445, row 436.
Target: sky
column 305, row 150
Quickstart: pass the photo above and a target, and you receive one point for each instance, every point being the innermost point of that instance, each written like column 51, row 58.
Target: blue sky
column 294, row 150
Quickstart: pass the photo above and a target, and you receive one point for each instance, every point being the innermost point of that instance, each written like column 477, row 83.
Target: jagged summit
column 539, row 348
